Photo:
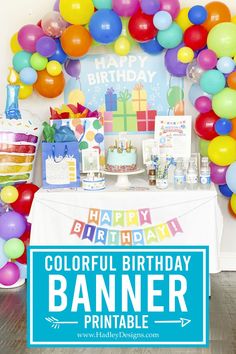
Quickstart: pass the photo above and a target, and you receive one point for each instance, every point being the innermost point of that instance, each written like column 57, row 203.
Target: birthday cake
column 93, row 183
column 122, row 157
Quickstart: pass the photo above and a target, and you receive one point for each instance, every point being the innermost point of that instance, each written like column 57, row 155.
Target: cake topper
column 12, row 109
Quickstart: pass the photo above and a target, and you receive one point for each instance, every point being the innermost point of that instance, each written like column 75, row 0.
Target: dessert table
column 199, row 218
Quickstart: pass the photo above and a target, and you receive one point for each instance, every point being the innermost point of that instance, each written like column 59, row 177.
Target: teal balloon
column 174, row 96
column 102, row 4
column 171, row 37
column 21, row 60
column 212, row 82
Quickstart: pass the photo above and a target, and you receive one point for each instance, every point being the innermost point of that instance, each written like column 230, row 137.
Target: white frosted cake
column 121, row 158
column 93, row 183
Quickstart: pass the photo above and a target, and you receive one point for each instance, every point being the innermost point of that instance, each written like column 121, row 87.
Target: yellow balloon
column 90, row 136
column 122, row 46
column 15, row 46
column 54, row 68
column 222, row 150
column 25, row 91
column 233, row 203
column 185, row 55
column 76, row 96
column 9, row 194
column 233, row 19
column 77, row 12
column 182, row 19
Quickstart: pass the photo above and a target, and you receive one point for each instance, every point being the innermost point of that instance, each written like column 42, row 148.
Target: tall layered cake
column 121, row 157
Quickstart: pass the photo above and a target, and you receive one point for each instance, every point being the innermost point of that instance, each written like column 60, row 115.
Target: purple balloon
column 56, row 6
column 12, row 224
column 171, row 6
column 218, row 173
column 173, row 65
column 125, row 8
column 73, row 67
column 28, row 36
column 150, row 7
column 46, row 46
column 9, row 274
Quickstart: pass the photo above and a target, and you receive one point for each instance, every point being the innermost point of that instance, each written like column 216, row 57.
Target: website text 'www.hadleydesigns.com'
column 118, row 296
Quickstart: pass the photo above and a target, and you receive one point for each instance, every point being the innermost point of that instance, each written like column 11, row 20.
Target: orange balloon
column 217, row 12
column 49, row 86
column 179, row 109
column 76, row 41
column 233, row 131
column 231, row 80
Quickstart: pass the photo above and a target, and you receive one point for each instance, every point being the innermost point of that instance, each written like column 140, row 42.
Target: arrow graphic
column 55, row 323
column 183, row 321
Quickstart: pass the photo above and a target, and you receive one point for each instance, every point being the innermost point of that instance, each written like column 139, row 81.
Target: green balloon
column 102, row 4
column 171, row 37
column 38, row 62
column 14, row 248
column 203, row 147
column 83, row 145
column 174, row 96
column 21, row 60
column 97, row 125
column 224, row 103
column 222, row 39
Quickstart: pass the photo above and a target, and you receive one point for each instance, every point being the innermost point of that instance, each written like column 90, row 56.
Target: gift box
column 108, row 121
column 111, row 100
column 146, row 120
column 139, row 98
column 124, row 119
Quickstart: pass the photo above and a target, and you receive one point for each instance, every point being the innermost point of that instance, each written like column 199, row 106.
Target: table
column 54, row 211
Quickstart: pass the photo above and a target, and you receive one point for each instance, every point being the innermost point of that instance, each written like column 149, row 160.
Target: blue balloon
column 105, row 26
column 231, row 177
column 197, row 14
column 162, row 20
column 151, row 47
column 223, row 126
column 224, row 189
column 59, row 55
column 28, row 76
column 226, row 65
column 195, row 92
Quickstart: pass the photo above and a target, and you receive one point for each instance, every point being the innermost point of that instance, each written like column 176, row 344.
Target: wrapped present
column 146, row 120
column 111, row 100
column 124, row 119
column 108, row 121
column 139, row 98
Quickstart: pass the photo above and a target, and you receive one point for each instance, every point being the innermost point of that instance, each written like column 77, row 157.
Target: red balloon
column 204, row 125
column 141, row 27
column 26, row 195
column 195, row 37
column 26, row 239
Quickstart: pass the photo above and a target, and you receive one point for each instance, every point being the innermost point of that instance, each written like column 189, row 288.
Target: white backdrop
column 13, row 15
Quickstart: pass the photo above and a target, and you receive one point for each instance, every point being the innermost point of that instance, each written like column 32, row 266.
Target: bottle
column 192, row 175
column 179, row 175
column 152, row 176
column 205, row 173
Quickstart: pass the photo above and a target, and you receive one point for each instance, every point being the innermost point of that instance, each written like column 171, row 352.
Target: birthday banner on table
column 124, row 227
column 129, row 91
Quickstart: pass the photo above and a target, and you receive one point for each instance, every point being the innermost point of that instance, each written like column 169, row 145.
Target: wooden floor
column 223, row 323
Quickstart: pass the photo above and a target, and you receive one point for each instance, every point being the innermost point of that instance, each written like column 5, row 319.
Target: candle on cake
column 12, row 109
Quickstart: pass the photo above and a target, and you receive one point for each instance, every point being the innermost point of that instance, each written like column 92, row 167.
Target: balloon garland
column 200, row 44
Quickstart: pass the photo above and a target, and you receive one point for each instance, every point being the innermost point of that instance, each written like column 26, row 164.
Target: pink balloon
column 207, row 59
column 218, row 173
column 171, row 6
column 9, row 274
column 28, row 36
column 53, row 24
column 125, row 8
column 203, row 104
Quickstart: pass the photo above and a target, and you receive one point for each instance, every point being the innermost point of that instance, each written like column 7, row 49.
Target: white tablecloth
column 53, row 212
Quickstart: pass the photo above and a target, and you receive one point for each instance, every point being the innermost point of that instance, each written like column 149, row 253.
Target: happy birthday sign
column 94, row 231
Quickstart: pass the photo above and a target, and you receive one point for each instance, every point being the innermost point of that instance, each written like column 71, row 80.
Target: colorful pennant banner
column 146, row 236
